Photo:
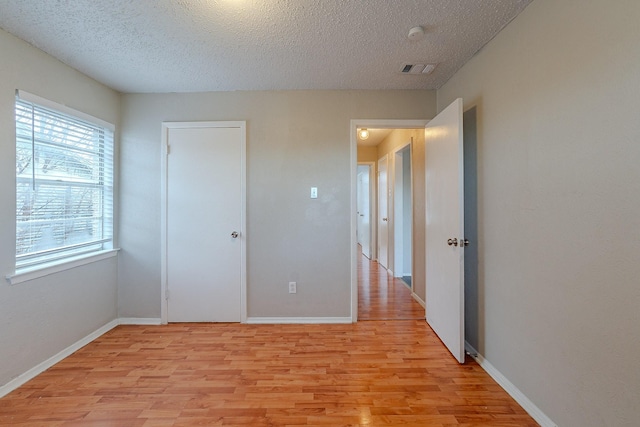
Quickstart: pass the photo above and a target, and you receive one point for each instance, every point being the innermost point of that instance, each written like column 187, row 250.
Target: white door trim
column 353, row 125
column 242, row 125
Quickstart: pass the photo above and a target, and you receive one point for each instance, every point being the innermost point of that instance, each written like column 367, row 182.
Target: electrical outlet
column 292, row 287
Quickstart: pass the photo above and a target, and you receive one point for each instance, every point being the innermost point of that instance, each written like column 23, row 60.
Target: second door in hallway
column 383, row 212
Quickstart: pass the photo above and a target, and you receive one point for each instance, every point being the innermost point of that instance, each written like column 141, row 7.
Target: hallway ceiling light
column 363, row 133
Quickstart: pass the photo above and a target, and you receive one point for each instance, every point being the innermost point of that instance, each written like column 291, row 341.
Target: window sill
column 26, row 274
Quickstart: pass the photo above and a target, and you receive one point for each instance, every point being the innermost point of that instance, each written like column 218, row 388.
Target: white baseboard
column 535, row 412
column 139, row 321
column 41, row 367
column 419, row 300
column 297, row 320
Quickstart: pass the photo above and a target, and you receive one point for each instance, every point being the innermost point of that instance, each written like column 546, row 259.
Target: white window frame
column 102, row 248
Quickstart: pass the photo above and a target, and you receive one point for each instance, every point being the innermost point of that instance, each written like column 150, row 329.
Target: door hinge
column 168, row 149
column 166, row 295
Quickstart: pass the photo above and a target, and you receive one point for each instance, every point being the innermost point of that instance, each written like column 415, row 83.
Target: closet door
column 205, row 222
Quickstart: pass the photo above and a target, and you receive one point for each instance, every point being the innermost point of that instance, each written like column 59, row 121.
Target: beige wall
column 296, row 140
column 41, row 317
column 557, row 95
column 367, row 154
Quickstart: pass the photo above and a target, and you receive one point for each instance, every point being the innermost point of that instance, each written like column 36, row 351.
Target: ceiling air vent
column 417, row 69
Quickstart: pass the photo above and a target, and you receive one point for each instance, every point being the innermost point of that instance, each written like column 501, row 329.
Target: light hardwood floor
column 373, row 373
column 383, row 297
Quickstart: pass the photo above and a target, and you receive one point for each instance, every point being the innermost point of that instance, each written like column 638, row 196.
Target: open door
column 445, row 228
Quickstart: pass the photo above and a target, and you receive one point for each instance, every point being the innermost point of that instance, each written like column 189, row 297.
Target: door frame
column 398, row 270
column 353, row 125
column 164, row 205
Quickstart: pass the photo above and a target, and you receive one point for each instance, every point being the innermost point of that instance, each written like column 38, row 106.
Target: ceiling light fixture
column 363, row 133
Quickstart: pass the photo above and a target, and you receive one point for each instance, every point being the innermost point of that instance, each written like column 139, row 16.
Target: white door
column 383, row 212
column 205, row 223
column 363, row 211
column 445, row 228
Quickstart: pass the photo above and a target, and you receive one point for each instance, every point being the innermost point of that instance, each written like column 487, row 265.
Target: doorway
column 403, row 214
column 370, row 154
column 445, row 241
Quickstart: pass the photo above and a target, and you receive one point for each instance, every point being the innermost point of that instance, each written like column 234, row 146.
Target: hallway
column 382, row 296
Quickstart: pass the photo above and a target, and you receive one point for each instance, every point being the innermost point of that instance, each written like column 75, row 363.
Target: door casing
column 399, row 211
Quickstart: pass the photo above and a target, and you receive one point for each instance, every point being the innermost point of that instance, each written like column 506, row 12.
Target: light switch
column 314, row 192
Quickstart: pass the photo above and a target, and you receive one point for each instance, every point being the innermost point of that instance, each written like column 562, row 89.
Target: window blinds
column 64, row 184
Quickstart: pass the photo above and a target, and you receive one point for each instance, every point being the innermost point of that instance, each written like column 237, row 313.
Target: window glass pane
column 64, row 185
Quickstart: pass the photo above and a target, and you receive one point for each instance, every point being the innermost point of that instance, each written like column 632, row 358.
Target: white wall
column 296, row 140
column 41, row 317
column 558, row 98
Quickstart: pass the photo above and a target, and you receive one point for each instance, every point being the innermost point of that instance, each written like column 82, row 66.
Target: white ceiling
column 222, row 45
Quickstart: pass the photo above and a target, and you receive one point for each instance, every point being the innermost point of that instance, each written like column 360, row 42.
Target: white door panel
column 204, row 207
column 363, row 211
column 445, row 228
column 383, row 212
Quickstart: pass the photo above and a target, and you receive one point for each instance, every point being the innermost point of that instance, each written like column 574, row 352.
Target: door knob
column 235, row 234
column 385, row 219
column 452, row 242
column 464, row 242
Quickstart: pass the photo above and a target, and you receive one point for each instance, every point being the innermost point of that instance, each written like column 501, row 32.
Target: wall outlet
column 292, row 287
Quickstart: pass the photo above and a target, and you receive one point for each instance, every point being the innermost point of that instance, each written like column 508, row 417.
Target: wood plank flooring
column 373, row 373
column 381, row 296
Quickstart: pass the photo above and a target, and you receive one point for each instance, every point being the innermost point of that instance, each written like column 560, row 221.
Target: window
column 64, row 183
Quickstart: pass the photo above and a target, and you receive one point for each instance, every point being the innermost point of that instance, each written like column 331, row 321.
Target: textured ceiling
column 221, row 45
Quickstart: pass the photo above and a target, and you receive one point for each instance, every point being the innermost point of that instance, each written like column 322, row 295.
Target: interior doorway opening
column 390, row 144
column 403, row 215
